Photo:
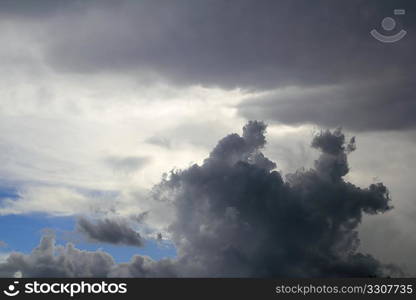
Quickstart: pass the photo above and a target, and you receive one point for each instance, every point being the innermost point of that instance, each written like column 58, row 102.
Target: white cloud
column 3, row 257
column 58, row 201
column 59, row 130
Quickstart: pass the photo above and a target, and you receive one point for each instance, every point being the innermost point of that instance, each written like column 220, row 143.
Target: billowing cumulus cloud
column 49, row 260
column 234, row 215
column 238, row 217
column 113, row 231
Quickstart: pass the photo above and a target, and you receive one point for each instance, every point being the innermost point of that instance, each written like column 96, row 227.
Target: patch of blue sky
column 8, row 191
column 22, row 233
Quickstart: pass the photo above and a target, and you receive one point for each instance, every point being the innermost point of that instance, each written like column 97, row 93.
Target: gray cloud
column 126, row 165
column 159, row 141
column 388, row 104
column 262, row 46
column 235, row 216
column 29, row 9
column 140, row 218
column 266, row 44
column 49, row 260
column 113, row 231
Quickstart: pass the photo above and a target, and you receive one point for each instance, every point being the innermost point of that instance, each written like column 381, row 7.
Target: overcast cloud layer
column 268, row 45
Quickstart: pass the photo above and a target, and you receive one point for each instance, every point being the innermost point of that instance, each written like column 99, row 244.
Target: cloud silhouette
column 238, row 217
column 113, row 231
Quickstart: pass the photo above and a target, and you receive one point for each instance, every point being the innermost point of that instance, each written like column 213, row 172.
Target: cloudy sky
column 129, row 146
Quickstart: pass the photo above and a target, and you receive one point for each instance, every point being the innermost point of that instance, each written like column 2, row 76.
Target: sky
column 206, row 139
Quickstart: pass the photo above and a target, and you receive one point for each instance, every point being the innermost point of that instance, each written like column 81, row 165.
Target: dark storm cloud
column 235, row 216
column 261, row 45
column 113, row 231
column 39, row 9
column 229, row 43
column 238, row 217
column 387, row 104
